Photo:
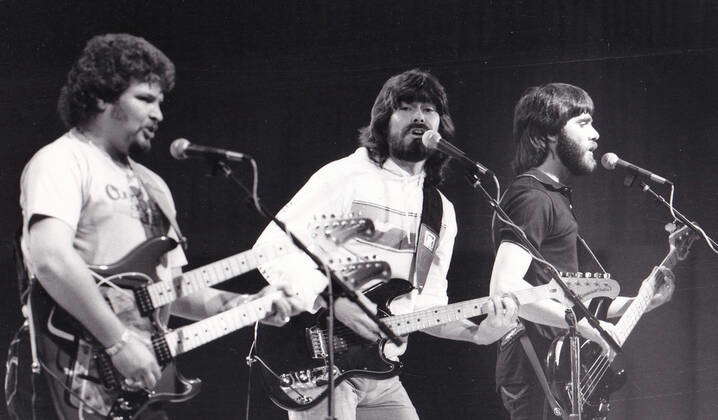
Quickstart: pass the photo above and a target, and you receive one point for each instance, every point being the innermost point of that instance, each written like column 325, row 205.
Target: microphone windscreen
column 609, row 161
column 178, row 147
column 430, row 139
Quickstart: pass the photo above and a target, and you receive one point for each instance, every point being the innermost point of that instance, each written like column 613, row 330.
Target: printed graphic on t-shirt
column 137, row 204
column 388, row 223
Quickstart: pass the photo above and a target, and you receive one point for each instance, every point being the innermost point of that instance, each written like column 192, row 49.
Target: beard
column 138, row 144
column 573, row 156
column 413, row 151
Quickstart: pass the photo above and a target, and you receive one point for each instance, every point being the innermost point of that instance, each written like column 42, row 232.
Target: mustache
column 415, row 125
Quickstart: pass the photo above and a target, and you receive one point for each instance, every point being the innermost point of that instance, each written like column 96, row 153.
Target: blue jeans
column 364, row 399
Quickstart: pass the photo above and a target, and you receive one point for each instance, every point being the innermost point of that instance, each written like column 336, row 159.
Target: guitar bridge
column 317, row 343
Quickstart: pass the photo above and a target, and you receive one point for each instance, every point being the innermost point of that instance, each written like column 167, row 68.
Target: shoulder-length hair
column 543, row 111
column 105, row 69
column 410, row 86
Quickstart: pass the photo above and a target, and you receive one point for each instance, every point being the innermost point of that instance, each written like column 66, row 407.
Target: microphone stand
column 677, row 213
column 344, row 289
column 578, row 306
column 575, row 349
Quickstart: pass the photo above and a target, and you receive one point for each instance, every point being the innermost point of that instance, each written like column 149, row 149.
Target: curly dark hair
column 410, row 86
column 105, row 69
column 543, row 111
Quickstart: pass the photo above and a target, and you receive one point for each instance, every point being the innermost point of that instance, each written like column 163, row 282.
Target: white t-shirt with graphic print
column 105, row 204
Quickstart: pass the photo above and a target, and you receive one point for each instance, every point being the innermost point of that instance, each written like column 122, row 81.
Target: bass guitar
column 597, row 379
column 293, row 358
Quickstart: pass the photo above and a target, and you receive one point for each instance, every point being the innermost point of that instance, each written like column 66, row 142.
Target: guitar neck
column 165, row 292
column 416, row 321
column 209, row 329
column 640, row 304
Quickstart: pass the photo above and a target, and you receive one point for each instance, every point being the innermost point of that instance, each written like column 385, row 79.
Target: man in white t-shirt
column 86, row 202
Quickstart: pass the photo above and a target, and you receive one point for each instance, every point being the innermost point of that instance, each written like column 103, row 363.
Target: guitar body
column 292, row 359
column 596, row 392
column 81, row 376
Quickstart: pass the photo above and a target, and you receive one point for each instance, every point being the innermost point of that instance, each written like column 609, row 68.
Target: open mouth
column 417, row 131
column 148, row 132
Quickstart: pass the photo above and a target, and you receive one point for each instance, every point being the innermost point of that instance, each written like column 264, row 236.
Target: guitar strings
column 595, row 375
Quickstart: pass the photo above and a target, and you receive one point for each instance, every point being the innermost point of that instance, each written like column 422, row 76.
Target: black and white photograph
column 359, row 210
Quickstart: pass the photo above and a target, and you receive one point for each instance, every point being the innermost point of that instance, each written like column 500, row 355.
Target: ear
column 102, row 105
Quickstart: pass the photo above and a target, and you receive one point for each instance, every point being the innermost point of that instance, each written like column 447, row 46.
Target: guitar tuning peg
column 589, row 275
column 670, row 227
column 607, row 276
column 579, row 275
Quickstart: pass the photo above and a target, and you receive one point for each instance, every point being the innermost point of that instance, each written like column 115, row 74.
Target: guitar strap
column 427, row 240
column 157, row 195
column 533, row 358
column 528, row 347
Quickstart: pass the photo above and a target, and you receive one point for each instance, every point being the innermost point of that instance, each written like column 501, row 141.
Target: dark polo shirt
column 541, row 207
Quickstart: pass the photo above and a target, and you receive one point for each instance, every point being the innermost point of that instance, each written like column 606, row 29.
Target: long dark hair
column 105, row 69
column 410, row 86
column 543, row 111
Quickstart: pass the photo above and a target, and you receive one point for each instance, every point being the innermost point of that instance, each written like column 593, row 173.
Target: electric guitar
column 293, row 358
column 86, row 385
column 149, row 295
column 598, row 379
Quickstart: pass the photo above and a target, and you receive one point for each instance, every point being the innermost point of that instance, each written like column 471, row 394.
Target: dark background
column 291, row 82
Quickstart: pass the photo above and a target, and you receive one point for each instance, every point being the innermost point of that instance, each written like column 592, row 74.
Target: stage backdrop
column 290, row 83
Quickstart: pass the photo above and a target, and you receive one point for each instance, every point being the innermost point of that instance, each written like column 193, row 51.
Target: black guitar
column 292, row 359
column 87, row 386
column 598, row 379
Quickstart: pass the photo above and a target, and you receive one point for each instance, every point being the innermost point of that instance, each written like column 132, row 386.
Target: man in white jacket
column 386, row 179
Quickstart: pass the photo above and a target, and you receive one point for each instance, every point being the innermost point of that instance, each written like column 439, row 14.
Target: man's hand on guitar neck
column 285, row 302
column 665, row 291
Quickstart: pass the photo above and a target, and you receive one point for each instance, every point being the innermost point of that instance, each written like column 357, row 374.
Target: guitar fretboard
column 416, row 321
column 638, row 307
column 168, row 291
column 209, row 329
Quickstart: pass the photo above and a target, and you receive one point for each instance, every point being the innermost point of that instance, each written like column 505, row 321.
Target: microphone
column 433, row 141
column 182, row 149
column 611, row 160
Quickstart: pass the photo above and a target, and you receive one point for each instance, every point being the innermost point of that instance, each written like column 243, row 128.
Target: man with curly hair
column 391, row 178
column 85, row 201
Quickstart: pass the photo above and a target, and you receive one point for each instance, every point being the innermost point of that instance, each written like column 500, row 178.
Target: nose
column 156, row 113
column 418, row 116
column 594, row 134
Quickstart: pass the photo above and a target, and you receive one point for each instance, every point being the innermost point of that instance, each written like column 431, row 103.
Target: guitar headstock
column 589, row 285
column 680, row 241
column 338, row 230
column 357, row 274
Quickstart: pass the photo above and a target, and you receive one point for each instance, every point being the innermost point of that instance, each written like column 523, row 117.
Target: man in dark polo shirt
column 555, row 139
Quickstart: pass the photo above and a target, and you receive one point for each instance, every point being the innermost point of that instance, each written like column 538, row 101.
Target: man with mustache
column 85, row 201
column 389, row 179
column 555, row 139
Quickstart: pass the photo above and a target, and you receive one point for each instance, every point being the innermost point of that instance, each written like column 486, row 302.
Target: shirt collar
column 547, row 181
